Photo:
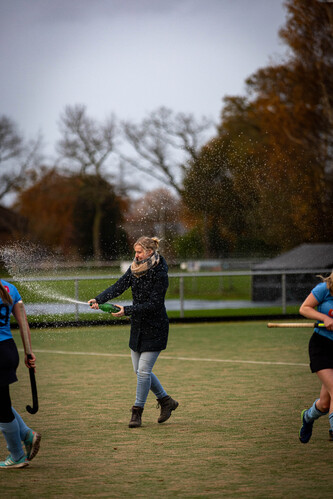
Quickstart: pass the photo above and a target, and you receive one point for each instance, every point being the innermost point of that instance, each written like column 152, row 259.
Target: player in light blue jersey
column 319, row 306
column 12, row 425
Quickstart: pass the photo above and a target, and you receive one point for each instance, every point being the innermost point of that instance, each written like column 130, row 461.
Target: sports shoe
column 31, row 443
column 330, row 435
column 306, row 429
column 11, row 464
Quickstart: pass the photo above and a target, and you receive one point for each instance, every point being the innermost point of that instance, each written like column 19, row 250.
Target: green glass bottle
column 108, row 307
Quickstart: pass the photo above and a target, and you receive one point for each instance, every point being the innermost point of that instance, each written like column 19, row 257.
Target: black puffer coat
column 149, row 320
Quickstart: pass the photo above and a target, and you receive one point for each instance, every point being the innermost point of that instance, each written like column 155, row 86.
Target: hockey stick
column 27, row 347
column 295, row 324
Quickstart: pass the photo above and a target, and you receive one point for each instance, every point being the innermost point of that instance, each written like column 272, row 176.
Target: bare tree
column 85, row 146
column 85, row 143
column 164, row 143
column 18, row 159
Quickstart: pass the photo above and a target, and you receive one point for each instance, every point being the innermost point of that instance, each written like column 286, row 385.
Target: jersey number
column 4, row 314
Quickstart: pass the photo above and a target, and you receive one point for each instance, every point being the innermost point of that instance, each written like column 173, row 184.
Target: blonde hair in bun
column 148, row 243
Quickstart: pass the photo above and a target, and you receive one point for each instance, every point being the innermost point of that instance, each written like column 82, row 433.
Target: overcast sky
column 129, row 57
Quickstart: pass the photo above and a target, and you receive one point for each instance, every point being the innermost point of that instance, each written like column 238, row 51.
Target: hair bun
column 148, row 242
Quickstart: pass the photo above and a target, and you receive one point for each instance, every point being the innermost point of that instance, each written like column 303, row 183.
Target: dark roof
column 305, row 256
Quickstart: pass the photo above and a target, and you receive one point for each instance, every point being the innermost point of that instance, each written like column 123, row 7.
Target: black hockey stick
column 27, row 346
column 34, row 407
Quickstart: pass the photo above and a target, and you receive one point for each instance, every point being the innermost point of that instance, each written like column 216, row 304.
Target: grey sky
column 129, row 57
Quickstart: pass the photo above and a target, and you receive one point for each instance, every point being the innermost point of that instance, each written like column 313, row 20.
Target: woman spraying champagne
column 148, row 279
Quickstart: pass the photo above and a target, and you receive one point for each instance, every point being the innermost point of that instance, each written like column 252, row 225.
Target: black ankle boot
column 167, row 405
column 136, row 417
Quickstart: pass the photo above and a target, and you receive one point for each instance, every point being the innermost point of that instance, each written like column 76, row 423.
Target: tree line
column 262, row 183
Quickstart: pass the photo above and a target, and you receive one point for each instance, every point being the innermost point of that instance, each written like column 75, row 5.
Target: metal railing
column 281, row 285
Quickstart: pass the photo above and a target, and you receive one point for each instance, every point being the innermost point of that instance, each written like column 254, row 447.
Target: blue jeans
column 143, row 364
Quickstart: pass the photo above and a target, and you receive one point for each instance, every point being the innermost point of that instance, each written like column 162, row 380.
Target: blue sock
column 331, row 420
column 23, row 427
column 11, row 432
column 313, row 413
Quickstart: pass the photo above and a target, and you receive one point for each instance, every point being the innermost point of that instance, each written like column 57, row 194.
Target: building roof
column 305, row 256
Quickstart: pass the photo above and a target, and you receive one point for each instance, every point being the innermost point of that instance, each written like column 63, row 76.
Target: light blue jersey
column 6, row 310
column 325, row 306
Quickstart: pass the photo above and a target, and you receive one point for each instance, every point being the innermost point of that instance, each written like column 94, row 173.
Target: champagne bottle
column 109, row 308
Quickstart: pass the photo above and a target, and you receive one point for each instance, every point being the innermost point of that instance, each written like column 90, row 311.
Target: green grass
column 235, row 433
column 213, row 288
column 188, row 314
column 207, row 288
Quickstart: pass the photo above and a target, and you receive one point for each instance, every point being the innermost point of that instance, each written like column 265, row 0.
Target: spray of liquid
column 23, row 260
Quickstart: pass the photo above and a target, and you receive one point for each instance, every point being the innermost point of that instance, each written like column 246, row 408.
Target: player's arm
column 113, row 291
column 308, row 310
column 25, row 335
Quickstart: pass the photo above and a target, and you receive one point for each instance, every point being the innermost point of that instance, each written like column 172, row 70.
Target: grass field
column 57, row 320
column 212, row 288
column 91, row 282
column 241, row 388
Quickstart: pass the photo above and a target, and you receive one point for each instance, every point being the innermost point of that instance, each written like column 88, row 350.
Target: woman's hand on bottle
column 121, row 312
column 93, row 303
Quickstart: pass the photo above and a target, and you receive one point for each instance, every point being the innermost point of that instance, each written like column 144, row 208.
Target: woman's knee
column 143, row 375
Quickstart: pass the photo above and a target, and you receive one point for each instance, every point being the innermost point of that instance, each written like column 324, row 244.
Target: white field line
column 170, row 357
